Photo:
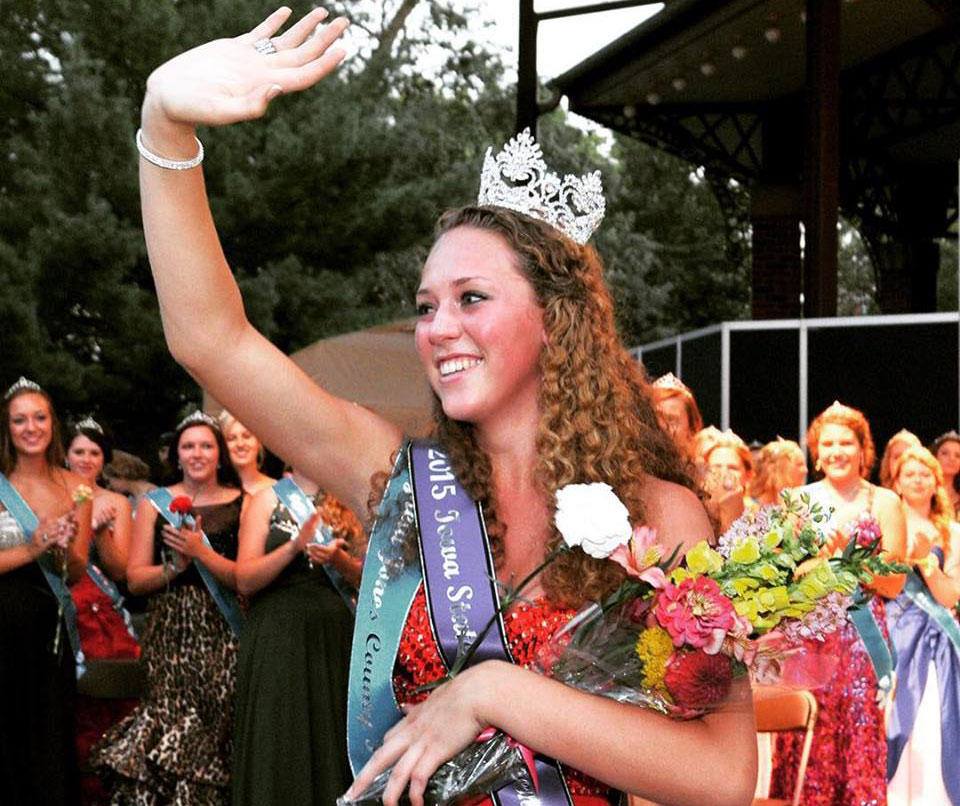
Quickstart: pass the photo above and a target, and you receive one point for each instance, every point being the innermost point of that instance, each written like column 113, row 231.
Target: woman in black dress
column 294, row 660
column 37, row 684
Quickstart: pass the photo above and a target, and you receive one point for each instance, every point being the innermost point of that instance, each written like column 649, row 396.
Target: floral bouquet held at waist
column 674, row 638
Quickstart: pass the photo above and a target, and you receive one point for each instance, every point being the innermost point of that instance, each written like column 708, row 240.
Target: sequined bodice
column 11, row 535
column 528, row 626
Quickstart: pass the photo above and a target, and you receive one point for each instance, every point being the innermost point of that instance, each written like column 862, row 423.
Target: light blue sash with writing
column 27, row 521
column 387, row 588
column 110, row 590
column 457, row 569
column 225, row 599
column 301, row 508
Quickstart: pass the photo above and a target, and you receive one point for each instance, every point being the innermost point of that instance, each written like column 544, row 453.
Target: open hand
column 229, row 80
column 308, row 532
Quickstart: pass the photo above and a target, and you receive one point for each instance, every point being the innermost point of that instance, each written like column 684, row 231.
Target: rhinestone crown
column 198, row 418
column 22, row 385
column 89, row 424
column 671, row 381
column 518, row 179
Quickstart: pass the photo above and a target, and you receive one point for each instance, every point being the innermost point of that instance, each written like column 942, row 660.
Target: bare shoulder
column 72, row 480
column 676, row 513
column 121, row 502
column 261, row 503
column 886, row 499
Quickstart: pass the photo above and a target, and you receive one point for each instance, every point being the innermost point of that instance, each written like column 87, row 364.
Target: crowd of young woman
column 877, row 741
column 247, row 633
column 176, row 744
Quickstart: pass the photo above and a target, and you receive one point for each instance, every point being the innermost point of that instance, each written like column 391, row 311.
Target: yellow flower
column 772, row 539
column 702, row 559
column 679, row 574
column 81, row 494
column 654, row 647
column 767, row 572
column 743, row 585
column 746, row 552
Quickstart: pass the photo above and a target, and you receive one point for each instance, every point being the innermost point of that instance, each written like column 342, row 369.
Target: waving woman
column 516, row 334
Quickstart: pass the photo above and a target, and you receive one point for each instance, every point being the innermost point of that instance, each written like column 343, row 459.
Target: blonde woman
column 896, row 445
column 246, row 454
column 846, row 760
column 923, row 733
column 780, row 466
column 728, row 469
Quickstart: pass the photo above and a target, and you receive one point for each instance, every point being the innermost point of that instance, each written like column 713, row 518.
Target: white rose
column 593, row 517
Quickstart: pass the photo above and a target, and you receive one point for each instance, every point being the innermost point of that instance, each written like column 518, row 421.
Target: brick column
column 777, row 267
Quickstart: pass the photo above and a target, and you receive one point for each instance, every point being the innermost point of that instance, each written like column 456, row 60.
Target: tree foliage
column 325, row 208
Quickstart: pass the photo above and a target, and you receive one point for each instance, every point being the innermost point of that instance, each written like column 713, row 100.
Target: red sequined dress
column 848, row 757
column 528, row 626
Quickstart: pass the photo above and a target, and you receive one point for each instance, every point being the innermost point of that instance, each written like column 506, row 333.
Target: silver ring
column 44, row 538
column 265, row 46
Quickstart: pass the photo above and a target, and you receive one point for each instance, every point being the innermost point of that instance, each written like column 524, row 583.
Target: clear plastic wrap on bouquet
column 595, row 652
column 476, row 771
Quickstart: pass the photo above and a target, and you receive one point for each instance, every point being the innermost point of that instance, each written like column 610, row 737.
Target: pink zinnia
column 696, row 613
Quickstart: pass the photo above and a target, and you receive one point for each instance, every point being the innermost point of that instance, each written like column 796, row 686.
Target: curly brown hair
column 856, row 421
column 597, row 422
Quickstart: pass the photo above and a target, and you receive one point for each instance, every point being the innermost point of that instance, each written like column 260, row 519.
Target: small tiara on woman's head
column 22, row 385
column 198, row 418
column 671, row 381
column 89, row 424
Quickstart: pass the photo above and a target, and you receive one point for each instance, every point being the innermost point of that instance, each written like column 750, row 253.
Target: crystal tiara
column 89, row 424
column 518, row 179
column 22, row 385
column 198, row 418
column 671, row 381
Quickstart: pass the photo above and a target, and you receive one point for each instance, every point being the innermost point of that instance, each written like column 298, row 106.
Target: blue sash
column 27, row 521
column 110, row 590
column 301, row 508
column 387, row 588
column 925, row 634
column 225, row 599
column 881, row 658
column 916, row 591
column 458, row 574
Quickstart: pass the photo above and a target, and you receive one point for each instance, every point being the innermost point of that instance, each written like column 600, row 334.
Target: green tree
column 325, row 208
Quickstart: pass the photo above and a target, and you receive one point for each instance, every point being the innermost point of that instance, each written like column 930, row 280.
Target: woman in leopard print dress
column 175, row 748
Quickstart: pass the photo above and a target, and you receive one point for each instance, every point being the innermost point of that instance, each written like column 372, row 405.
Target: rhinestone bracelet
column 163, row 162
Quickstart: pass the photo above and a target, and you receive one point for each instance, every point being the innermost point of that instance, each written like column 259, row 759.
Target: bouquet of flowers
column 674, row 636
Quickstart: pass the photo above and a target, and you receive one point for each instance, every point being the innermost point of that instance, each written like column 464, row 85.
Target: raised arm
column 335, row 442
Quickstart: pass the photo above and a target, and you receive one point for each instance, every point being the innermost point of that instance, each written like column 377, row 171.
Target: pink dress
column 848, row 758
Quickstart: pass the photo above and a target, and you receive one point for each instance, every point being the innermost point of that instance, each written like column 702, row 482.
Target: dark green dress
column 290, row 743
